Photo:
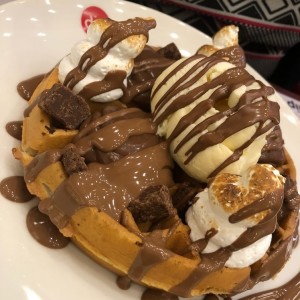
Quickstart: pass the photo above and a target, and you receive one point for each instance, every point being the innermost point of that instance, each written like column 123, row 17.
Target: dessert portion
column 176, row 200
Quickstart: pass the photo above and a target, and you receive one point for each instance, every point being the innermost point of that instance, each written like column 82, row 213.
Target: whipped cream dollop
column 232, row 205
column 108, row 49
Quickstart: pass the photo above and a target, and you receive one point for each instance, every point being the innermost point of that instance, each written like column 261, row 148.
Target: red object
column 90, row 14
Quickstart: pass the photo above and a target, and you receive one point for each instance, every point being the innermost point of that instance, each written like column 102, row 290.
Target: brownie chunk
column 153, row 204
column 72, row 161
column 170, row 51
column 66, row 109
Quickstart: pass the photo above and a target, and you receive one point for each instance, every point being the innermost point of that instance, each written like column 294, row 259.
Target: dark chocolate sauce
column 43, row 231
column 27, row 87
column 152, row 294
column 14, row 188
column 14, row 129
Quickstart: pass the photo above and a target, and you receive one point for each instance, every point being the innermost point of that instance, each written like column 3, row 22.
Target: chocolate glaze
column 44, row 231
column 113, row 34
column 27, row 87
column 14, row 129
column 14, row 188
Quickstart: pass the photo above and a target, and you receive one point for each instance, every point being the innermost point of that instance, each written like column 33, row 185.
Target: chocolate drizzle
column 210, row 262
column 14, row 188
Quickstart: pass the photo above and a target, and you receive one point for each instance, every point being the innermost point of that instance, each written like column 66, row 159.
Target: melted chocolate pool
column 14, row 188
column 26, row 88
column 14, row 129
column 43, row 231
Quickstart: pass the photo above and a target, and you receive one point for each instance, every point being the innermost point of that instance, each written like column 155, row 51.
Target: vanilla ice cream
column 215, row 115
column 108, row 47
column 228, row 195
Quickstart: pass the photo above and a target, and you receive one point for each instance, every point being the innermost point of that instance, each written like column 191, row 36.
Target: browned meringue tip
column 234, row 192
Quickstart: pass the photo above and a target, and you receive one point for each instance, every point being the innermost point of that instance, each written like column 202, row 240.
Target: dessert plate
column 34, row 35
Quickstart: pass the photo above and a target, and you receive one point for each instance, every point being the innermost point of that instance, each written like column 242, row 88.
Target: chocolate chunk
column 66, row 109
column 72, row 161
column 153, row 204
column 170, row 51
column 184, row 196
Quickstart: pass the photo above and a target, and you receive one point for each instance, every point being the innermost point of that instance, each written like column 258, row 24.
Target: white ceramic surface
column 34, row 35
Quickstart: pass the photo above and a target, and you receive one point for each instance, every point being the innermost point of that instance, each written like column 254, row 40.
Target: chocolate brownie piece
column 72, row 161
column 153, row 204
column 170, row 51
column 66, row 109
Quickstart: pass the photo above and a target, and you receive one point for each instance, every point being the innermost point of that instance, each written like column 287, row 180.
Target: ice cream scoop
column 241, row 210
column 214, row 114
column 98, row 66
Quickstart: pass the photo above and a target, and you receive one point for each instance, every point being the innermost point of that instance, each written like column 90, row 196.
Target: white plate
column 34, row 35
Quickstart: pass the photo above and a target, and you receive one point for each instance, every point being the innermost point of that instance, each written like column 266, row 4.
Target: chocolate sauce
column 27, row 87
column 14, row 188
column 43, row 231
column 210, row 263
column 123, row 282
column 14, row 129
column 288, row 291
column 234, row 55
column 152, row 252
column 152, row 294
column 108, row 186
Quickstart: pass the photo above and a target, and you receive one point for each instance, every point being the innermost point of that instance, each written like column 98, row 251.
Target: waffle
column 120, row 245
column 156, row 253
